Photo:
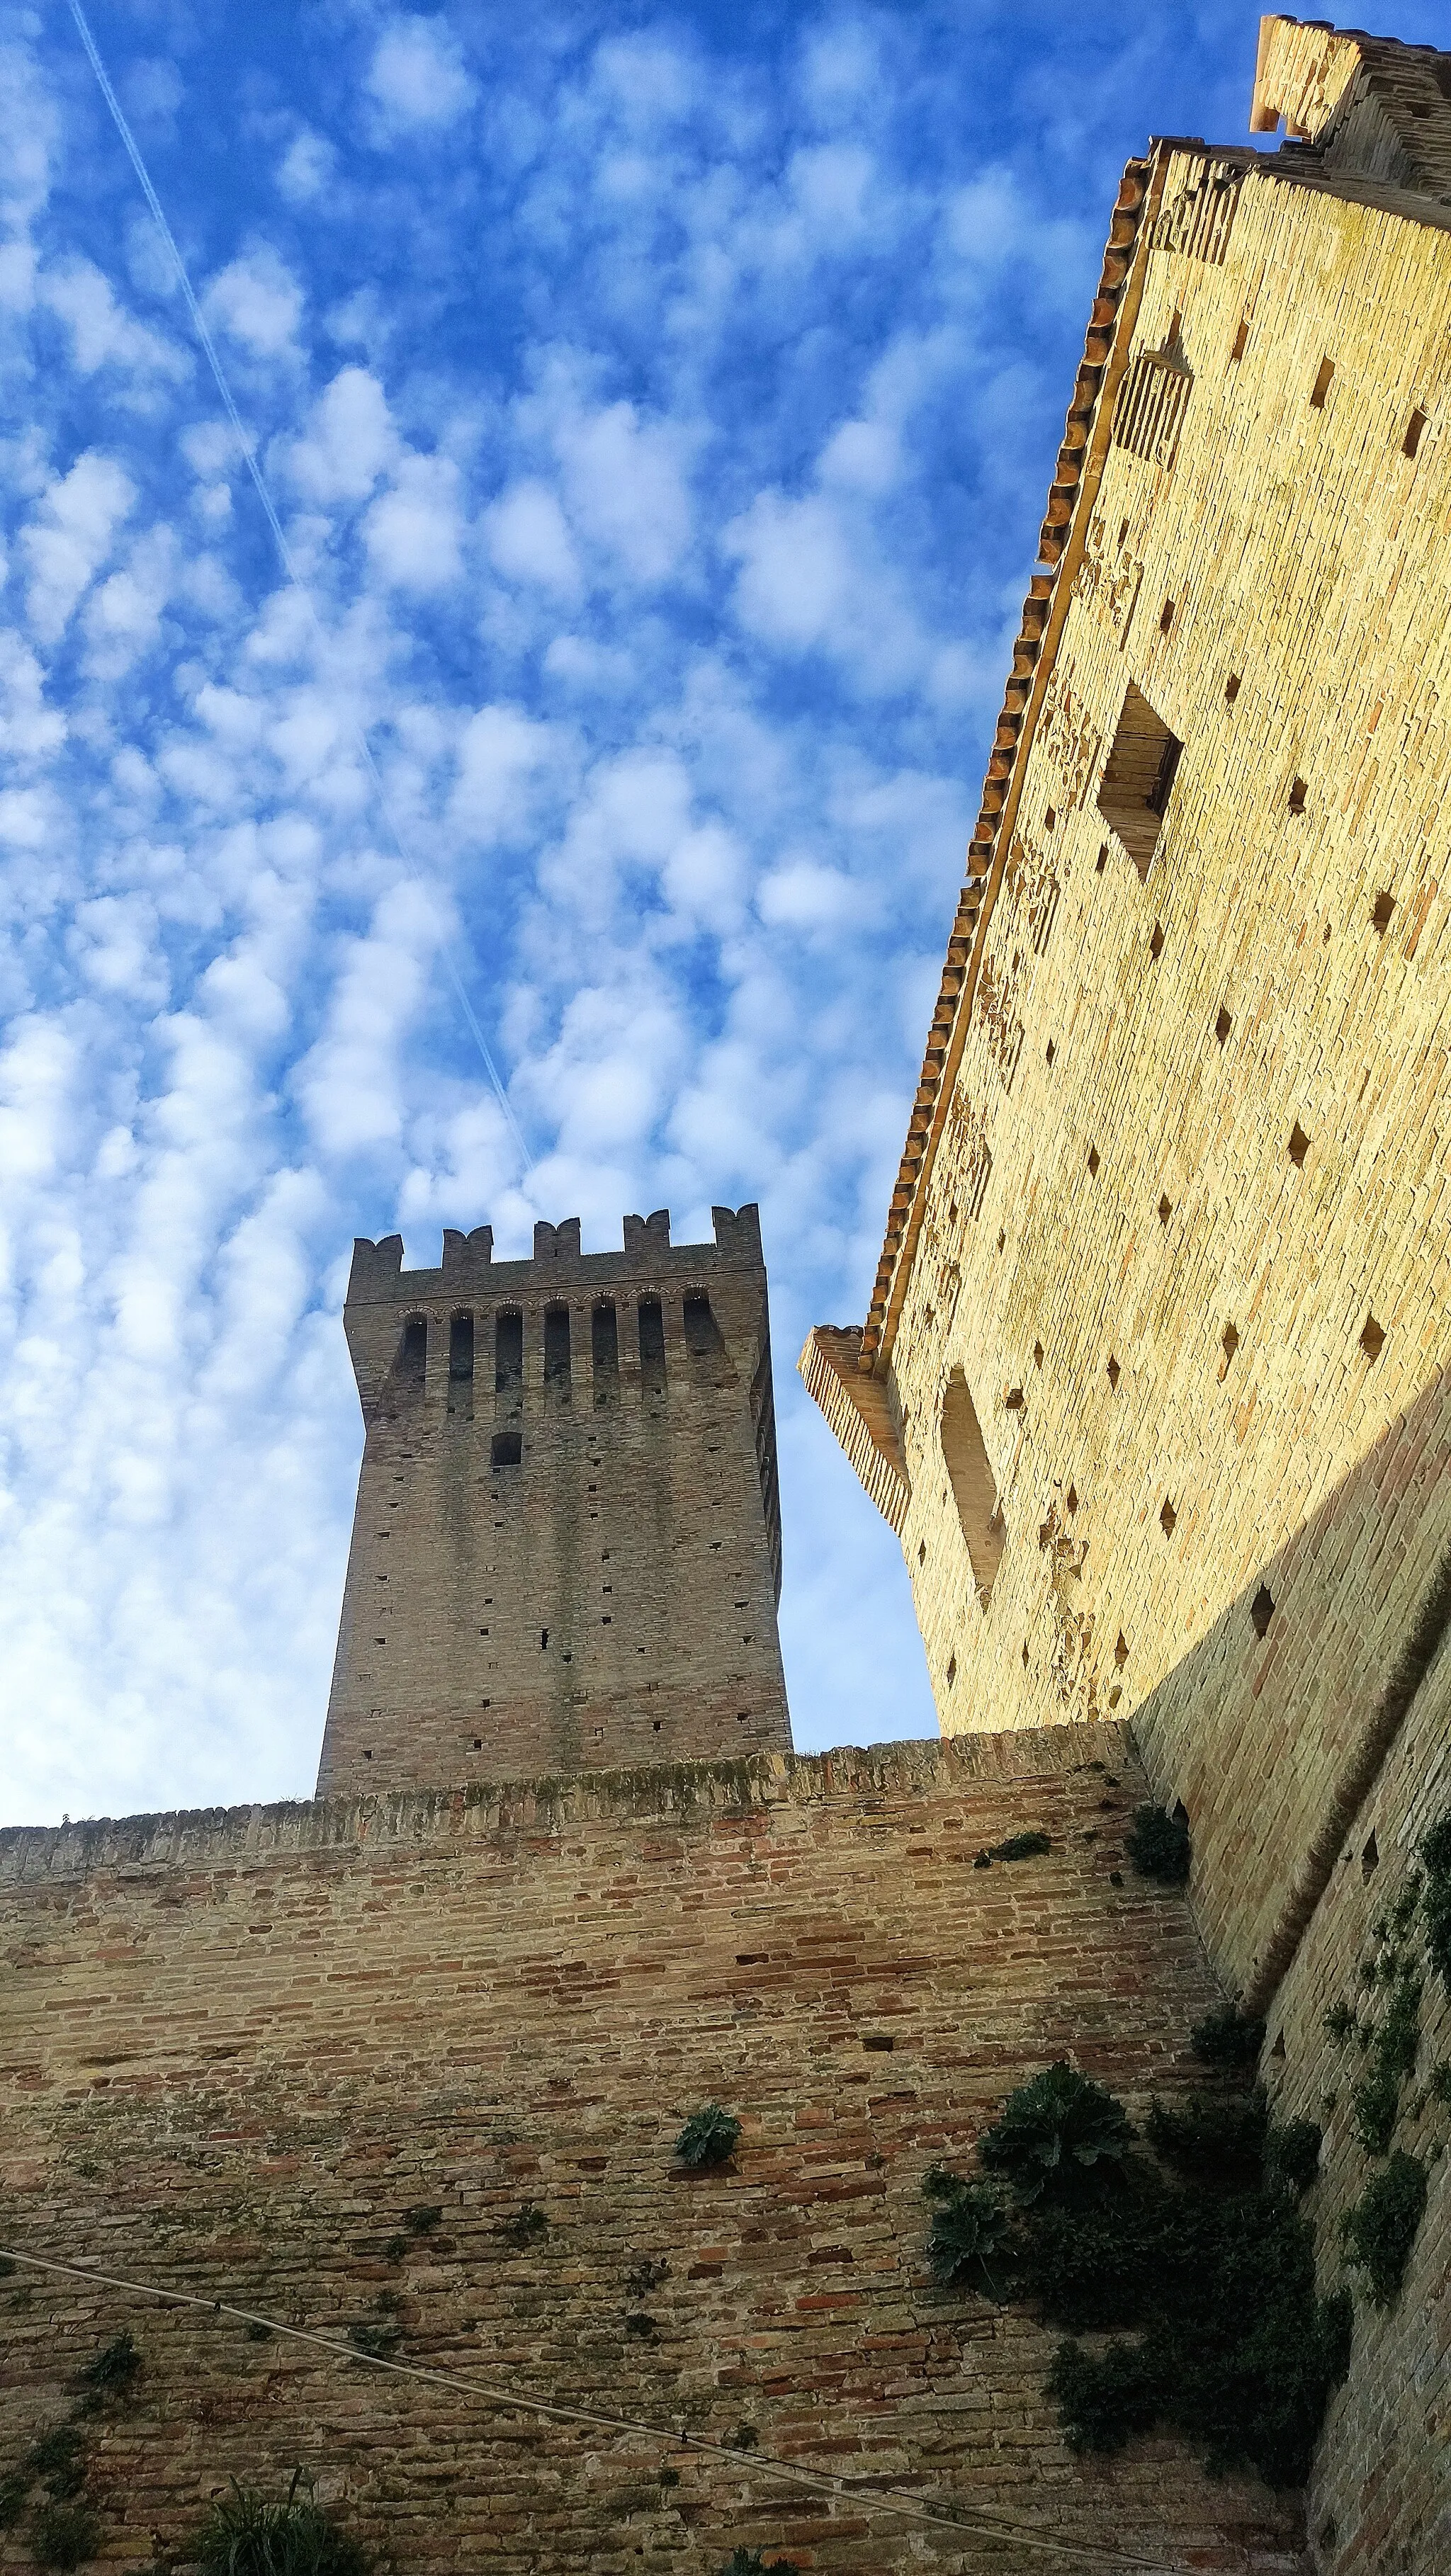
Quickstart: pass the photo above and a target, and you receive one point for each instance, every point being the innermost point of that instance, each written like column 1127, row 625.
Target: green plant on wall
column 749, row 2562
column 1375, row 2101
column 1055, row 2135
column 1435, row 1896
column 62, row 2529
column 968, row 2240
column 1379, row 2232
column 1200, row 2247
column 64, row 2535
column 1158, row 1845
column 246, row 2535
column 710, row 2137
column 1228, row 2041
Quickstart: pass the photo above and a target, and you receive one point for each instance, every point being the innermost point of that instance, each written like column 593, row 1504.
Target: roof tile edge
column 1080, row 462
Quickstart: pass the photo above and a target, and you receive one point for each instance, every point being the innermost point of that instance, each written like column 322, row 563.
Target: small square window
column 506, row 1449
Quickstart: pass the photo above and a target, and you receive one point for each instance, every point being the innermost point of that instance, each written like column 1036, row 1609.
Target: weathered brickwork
column 240, row 2047
column 1153, row 1384
column 566, row 1552
column 1215, row 1100
column 1380, row 2499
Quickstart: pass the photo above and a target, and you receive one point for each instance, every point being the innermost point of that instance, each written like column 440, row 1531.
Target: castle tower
column 566, row 1552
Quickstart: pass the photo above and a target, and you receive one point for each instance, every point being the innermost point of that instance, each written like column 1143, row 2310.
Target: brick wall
column 566, row 1554
column 1202, row 1302
column 1380, row 2499
column 239, row 2046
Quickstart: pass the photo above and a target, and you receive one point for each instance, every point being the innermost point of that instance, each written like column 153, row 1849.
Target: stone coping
column 683, row 1792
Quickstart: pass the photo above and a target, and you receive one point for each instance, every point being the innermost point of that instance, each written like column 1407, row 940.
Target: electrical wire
column 249, row 458
column 1005, row 2531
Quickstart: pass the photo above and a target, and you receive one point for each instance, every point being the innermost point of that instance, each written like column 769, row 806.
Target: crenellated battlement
column 468, row 1263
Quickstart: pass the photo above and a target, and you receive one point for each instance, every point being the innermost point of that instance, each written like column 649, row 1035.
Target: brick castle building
column 1152, row 1386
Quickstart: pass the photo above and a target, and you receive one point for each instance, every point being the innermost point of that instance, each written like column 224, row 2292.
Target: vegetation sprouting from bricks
column 710, row 2137
column 246, row 2535
column 1157, row 1845
column 1379, row 2232
column 750, row 2562
column 61, row 2525
column 1200, row 2246
column 1409, row 1940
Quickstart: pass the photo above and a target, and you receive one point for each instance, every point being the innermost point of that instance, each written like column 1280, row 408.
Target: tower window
column 604, row 1333
column 1138, row 777
column 556, row 1349
column 461, row 1364
column 508, row 1353
column 974, row 1487
column 506, row 1449
column 652, row 1344
column 702, row 1332
column 412, row 1360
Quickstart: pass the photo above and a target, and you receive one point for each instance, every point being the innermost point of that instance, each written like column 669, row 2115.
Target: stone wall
column 566, row 1550
column 1187, row 1232
column 1380, row 2499
column 240, row 2047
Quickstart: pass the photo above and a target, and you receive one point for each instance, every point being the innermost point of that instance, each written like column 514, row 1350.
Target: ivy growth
column 1227, row 2040
column 528, row 2226
column 1199, row 2249
column 1380, row 2230
column 1376, row 2099
column 749, row 2562
column 64, row 2535
column 710, row 2137
column 62, row 2529
column 1435, row 1896
column 1017, row 1847
column 1158, row 1846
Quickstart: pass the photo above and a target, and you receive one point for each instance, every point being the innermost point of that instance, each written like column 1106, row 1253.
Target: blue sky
column 659, row 404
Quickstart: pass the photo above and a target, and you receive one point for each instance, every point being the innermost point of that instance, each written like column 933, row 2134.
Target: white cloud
column 123, row 615
column 625, row 483
column 414, row 531
column 102, row 334
column 256, row 300
column 71, row 536
column 114, row 943
column 529, row 540
column 502, row 758
column 349, row 1082
column 306, row 168
column 349, row 440
column 29, row 729
column 803, row 895
column 812, row 578
column 417, row 78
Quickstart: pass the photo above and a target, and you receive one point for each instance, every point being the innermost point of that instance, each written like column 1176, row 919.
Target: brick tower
column 567, row 1545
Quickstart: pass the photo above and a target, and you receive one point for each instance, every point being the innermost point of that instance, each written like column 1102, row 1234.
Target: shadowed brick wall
column 238, row 2047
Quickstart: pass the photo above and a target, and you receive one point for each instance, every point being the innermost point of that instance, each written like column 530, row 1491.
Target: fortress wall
column 1379, row 2496
column 239, row 2046
column 1211, row 1101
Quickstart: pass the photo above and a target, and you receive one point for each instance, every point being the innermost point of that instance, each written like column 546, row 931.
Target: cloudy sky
column 659, row 404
